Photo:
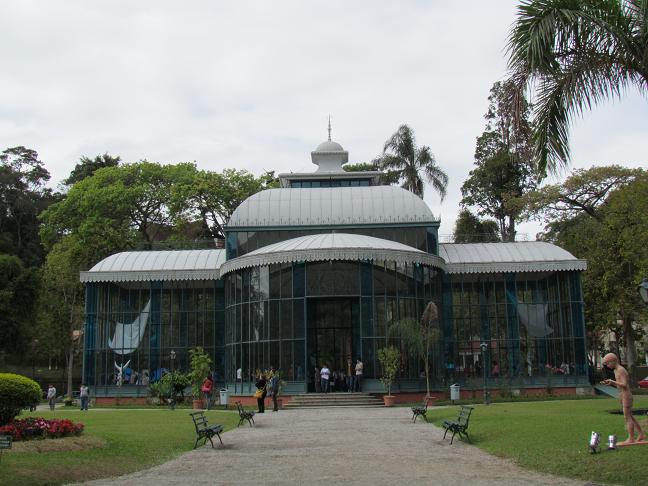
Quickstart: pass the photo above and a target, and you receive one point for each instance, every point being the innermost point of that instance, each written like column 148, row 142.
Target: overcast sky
column 250, row 84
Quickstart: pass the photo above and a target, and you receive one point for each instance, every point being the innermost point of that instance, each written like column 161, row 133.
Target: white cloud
column 250, row 84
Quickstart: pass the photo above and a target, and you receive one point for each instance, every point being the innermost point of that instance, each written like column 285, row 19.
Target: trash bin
column 224, row 396
column 455, row 392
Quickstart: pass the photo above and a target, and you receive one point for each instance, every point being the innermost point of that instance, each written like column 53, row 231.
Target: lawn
column 552, row 437
column 114, row 442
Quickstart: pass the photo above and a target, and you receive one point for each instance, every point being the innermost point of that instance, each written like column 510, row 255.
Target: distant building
column 314, row 273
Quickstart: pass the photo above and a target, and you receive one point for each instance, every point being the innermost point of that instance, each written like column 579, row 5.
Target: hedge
column 16, row 392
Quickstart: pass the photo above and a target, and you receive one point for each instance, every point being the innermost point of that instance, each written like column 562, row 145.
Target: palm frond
column 577, row 53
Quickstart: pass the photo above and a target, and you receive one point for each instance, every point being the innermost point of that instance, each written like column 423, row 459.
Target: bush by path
column 16, row 392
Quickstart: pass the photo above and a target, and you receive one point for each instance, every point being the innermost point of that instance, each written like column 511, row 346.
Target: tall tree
column 575, row 54
column 60, row 301
column 86, row 167
column 412, row 163
column 23, row 196
column 613, row 237
column 118, row 206
column 212, row 197
column 470, row 229
column 419, row 336
column 18, row 290
column 504, row 170
column 584, row 191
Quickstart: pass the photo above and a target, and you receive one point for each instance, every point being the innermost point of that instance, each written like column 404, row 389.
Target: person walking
column 274, row 389
column 261, row 392
column 325, row 375
column 84, row 396
column 51, row 397
column 317, row 379
column 359, row 370
column 206, row 389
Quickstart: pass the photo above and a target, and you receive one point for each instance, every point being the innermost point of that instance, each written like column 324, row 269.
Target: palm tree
column 419, row 336
column 575, row 53
column 402, row 156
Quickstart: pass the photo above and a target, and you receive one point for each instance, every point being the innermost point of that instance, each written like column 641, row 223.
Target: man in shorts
column 622, row 383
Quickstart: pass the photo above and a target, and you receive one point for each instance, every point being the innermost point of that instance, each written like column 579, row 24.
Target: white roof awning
column 527, row 256
column 137, row 266
column 331, row 246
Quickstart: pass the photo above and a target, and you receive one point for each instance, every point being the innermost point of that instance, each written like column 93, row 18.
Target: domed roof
column 331, row 206
column 329, row 146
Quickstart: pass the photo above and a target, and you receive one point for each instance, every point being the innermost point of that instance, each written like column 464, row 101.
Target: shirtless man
column 622, row 382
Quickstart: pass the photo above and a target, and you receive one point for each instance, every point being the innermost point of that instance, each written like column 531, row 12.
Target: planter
column 198, row 404
column 389, row 400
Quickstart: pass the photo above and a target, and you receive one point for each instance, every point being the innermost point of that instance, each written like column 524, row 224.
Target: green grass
column 134, row 440
column 552, row 437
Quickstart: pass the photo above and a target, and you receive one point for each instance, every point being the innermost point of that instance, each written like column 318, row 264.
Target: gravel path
column 337, row 446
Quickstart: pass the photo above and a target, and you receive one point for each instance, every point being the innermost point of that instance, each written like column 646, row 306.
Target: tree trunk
column 628, row 338
column 70, row 361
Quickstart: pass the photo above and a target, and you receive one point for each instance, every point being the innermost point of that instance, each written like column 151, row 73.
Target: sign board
column 5, row 441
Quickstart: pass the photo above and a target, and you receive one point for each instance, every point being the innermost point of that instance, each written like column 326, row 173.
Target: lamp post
column 172, row 355
column 484, row 347
column 643, row 290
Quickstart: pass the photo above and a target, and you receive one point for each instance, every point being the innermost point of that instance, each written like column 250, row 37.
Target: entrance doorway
column 330, row 336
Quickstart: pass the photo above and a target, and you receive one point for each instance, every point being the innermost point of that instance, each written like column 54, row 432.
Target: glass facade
column 131, row 329
column 532, row 322
column 424, row 238
column 298, row 316
column 330, row 183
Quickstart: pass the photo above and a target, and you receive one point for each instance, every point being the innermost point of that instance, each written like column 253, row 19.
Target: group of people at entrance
column 267, row 385
column 338, row 380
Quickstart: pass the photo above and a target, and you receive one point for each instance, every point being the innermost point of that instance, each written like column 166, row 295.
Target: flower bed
column 40, row 428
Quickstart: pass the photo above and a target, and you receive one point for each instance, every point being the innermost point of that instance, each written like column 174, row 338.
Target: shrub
column 16, row 392
column 389, row 358
column 200, row 368
column 39, row 428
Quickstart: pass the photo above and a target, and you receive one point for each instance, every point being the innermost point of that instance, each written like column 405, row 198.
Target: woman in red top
column 207, row 387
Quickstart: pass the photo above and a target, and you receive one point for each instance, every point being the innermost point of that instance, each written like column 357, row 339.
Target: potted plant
column 389, row 358
column 200, row 368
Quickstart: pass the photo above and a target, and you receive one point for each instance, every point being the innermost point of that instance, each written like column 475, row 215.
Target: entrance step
column 342, row 399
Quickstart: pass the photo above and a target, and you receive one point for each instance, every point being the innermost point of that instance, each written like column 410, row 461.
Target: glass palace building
column 314, row 273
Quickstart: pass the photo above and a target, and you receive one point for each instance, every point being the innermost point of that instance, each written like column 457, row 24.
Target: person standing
column 325, row 375
column 261, row 392
column 622, row 383
column 349, row 375
column 359, row 370
column 206, row 389
column 51, row 396
column 318, row 380
column 274, row 389
column 84, row 396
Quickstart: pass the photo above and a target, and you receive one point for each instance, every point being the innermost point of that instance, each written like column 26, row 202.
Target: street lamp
column 643, row 290
column 172, row 355
column 484, row 348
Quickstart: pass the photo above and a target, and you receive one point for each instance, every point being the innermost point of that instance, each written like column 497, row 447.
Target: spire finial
column 329, row 128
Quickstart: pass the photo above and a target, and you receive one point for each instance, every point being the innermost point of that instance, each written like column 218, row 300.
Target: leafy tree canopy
column 86, row 167
column 470, row 229
column 615, row 244
column 387, row 178
column 503, row 169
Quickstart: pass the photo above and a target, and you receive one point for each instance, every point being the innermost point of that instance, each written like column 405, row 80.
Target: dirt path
column 337, row 446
